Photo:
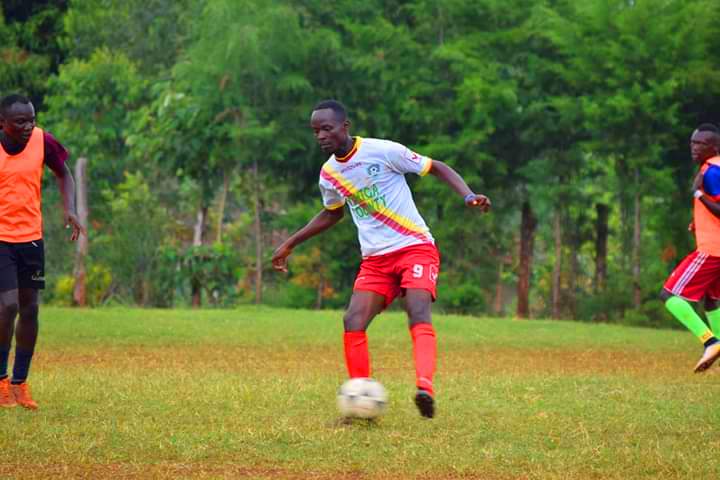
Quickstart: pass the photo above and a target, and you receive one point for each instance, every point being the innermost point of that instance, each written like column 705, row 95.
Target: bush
column 650, row 314
column 465, row 298
column 97, row 287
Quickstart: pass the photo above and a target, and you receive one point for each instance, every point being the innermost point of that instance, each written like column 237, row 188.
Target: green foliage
column 132, row 238
column 561, row 104
column 98, row 282
column 215, row 269
column 462, row 298
column 88, row 105
column 150, row 32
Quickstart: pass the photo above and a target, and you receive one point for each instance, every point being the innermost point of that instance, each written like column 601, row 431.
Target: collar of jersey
column 353, row 151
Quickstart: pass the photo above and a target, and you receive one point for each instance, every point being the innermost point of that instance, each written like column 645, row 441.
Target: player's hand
column 71, row 221
column 691, row 227
column 279, row 258
column 478, row 201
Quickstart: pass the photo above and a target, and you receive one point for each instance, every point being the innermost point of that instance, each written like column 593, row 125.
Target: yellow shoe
column 7, row 399
column 711, row 354
column 22, row 396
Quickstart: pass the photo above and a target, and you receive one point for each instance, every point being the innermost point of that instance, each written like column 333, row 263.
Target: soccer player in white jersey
column 399, row 253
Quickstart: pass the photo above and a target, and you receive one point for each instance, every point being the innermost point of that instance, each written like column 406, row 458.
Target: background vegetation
column 573, row 116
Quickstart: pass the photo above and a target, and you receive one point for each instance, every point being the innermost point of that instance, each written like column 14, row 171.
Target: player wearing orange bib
column 399, row 255
column 24, row 151
column 698, row 275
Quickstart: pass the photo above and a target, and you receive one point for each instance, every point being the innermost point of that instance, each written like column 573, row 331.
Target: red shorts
column 697, row 276
column 390, row 275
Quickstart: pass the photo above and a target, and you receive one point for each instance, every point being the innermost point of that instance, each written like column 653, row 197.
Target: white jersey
column 371, row 180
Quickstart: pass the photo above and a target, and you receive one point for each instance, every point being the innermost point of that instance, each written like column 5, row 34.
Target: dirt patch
column 174, row 471
column 486, row 362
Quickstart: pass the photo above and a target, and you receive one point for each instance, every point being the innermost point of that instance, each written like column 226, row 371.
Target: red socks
column 357, row 358
column 425, row 352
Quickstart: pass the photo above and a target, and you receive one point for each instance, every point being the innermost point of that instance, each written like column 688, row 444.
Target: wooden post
column 80, row 288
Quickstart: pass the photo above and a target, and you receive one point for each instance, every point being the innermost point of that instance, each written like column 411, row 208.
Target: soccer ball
column 362, row 398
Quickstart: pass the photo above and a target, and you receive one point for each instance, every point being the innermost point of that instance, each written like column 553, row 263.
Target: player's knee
column 355, row 322
column 29, row 312
column 8, row 312
column 419, row 313
column 664, row 295
column 710, row 304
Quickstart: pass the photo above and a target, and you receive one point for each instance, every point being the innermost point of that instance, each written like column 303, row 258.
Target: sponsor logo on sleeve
column 412, row 156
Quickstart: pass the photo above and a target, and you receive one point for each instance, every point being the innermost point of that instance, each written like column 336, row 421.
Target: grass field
column 250, row 393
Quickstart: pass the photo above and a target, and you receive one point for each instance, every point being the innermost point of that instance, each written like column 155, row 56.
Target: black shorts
column 22, row 265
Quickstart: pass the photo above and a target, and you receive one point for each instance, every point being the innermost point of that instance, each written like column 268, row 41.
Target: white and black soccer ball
column 362, row 398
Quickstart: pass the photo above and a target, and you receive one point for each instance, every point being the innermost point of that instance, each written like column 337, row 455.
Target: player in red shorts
column 25, row 150
column 399, row 253
column 698, row 275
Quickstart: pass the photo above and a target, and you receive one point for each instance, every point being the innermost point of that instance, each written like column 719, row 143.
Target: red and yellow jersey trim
column 335, row 206
column 426, row 169
column 399, row 223
column 352, row 152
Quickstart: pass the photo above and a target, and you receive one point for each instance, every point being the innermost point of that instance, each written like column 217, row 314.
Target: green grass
column 250, row 393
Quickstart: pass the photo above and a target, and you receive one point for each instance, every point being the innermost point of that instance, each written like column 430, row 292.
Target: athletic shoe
column 22, row 396
column 710, row 354
column 7, row 399
column 425, row 403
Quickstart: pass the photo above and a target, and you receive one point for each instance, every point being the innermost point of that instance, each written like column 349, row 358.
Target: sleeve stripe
column 335, row 206
column 426, row 168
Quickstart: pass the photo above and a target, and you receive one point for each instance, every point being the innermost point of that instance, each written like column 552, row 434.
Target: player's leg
column 712, row 312
column 712, row 307
column 689, row 282
column 418, row 307
column 364, row 306
column 419, row 268
column 26, row 333
column 31, row 278
column 682, row 310
column 8, row 312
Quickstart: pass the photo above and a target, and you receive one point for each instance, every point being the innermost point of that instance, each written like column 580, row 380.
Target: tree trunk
column 637, row 291
column 80, row 288
column 527, row 240
column 198, row 239
column 258, row 236
column 221, row 207
column 624, row 210
column 557, row 269
column 601, row 239
column 200, row 227
column 498, row 303
column 575, row 241
column 319, row 298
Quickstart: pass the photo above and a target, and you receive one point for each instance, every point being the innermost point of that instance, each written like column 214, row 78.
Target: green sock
column 713, row 317
column 684, row 312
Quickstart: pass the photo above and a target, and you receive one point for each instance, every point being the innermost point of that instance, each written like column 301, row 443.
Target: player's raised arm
column 445, row 173
column 321, row 222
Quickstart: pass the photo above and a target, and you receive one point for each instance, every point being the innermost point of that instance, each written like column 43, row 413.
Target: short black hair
column 335, row 106
column 708, row 127
column 10, row 100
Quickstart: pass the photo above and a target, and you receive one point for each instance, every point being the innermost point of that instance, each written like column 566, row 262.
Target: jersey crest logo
column 373, row 170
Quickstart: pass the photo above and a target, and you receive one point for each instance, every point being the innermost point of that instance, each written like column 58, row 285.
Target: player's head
column 705, row 142
column 17, row 117
column 331, row 126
